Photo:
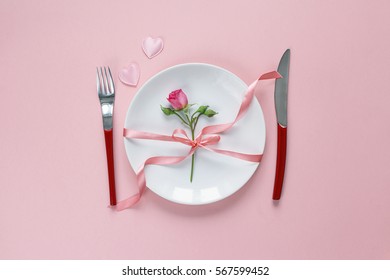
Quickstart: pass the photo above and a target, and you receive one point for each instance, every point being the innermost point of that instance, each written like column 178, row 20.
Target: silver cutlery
column 281, row 90
column 106, row 93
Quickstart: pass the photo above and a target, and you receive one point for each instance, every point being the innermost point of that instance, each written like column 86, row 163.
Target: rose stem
column 193, row 155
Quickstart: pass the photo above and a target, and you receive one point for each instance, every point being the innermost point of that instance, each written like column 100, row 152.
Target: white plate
column 215, row 176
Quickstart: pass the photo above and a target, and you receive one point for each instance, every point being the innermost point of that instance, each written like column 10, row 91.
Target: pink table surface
column 53, row 195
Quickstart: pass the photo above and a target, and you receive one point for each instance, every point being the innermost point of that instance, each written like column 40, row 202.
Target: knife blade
column 281, row 90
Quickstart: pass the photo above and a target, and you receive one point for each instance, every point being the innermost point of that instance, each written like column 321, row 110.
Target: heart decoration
column 152, row 46
column 130, row 74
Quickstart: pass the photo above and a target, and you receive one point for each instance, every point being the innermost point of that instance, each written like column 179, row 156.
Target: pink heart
column 130, row 74
column 152, row 46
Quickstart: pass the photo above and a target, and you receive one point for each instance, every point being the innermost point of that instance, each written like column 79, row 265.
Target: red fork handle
column 280, row 162
column 110, row 164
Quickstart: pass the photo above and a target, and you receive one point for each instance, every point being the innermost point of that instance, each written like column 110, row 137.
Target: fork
column 106, row 93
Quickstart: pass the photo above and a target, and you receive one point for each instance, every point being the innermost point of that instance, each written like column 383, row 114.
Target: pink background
column 53, row 195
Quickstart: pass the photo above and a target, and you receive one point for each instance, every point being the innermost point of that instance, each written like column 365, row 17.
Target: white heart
column 152, row 46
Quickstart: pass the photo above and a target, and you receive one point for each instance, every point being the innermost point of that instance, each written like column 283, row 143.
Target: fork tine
column 106, row 81
column 112, row 88
column 98, row 81
column 102, row 81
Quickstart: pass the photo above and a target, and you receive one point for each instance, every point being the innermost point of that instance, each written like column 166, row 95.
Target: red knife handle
column 110, row 164
column 280, row 162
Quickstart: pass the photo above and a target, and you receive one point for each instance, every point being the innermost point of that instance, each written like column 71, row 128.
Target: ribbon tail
column 134, row 134
column 127, row 203
column 246, row 101
column 248, row 157
column 271, row 75
column 134, row 199
column 141, row 181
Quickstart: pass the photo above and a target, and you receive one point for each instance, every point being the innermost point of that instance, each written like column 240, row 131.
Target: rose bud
column 178, row 99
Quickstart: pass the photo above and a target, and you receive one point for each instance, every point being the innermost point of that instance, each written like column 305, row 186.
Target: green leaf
column 202, row 109
column 166, row 111
column 210, row 113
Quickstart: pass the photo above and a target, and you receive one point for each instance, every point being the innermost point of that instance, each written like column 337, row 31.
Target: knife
column 281, row 90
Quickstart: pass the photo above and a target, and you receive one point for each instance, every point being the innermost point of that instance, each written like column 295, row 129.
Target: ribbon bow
column 198, row 142
column 207, row 137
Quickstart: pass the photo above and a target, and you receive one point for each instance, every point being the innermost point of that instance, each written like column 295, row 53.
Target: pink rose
column 178, row 99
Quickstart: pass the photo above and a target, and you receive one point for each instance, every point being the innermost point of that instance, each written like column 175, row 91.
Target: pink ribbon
column 207, row 137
